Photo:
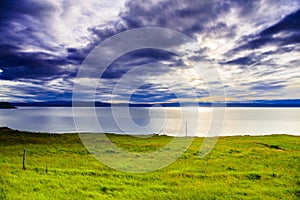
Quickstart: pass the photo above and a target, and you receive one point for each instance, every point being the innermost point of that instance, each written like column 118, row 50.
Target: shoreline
column 7, row 129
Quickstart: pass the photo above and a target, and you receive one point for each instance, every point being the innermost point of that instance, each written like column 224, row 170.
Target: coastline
column 7, row 129
column 6, row 105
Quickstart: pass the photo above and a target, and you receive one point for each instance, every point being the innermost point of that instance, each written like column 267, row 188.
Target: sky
column 254, row 45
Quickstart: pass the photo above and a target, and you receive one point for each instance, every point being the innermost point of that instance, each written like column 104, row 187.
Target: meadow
column 58, row 166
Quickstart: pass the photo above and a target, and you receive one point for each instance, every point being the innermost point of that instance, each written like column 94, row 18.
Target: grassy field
column 264, row 167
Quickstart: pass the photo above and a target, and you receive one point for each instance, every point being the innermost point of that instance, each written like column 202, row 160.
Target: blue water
column 238, row 121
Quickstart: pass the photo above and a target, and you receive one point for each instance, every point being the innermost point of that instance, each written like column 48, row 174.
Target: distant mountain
column 6, row 105
column 256, row 103
column 85, row 104
column 61, row 104
column 267, row 103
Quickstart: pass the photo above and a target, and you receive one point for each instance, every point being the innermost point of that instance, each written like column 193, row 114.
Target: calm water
column 238, row 121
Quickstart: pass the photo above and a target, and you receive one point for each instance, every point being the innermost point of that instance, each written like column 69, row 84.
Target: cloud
column 283, row 33
column 137, row 58
column 241, row 61
column 253, row 43
column 289, row 23
column 266, row 87
column 41, row 39
column 34, row 90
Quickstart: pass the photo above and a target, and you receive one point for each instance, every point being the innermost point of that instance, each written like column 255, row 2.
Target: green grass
column 263, row 167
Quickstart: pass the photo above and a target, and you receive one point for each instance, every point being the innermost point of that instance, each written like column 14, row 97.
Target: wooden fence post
column 24, row 160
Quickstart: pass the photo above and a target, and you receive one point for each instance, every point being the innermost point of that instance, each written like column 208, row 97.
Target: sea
column 173, row 121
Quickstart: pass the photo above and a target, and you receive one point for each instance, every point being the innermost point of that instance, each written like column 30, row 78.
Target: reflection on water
column 238, row 121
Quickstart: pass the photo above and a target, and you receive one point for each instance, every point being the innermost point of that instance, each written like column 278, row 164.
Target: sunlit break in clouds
column 254, row 44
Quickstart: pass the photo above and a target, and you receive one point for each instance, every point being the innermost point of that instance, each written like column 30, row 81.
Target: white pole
column 186, row 129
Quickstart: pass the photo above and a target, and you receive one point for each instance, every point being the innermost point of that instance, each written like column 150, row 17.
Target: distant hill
column 267, row 103
column 6, row 105
column 256, row 103
column 77, row 104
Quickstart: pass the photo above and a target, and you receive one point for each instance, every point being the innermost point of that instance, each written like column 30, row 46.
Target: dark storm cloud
column 254, row 59
column 21, row 9
column 289, row 23
column 140, row 57
column 259, row 83
column 266, row 87
column 23, row 25
column 248, row 60
column 189, row 17
column 289, row 27
column 30, row 65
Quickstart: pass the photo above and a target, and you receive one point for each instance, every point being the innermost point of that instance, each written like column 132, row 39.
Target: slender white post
column 186, row 129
